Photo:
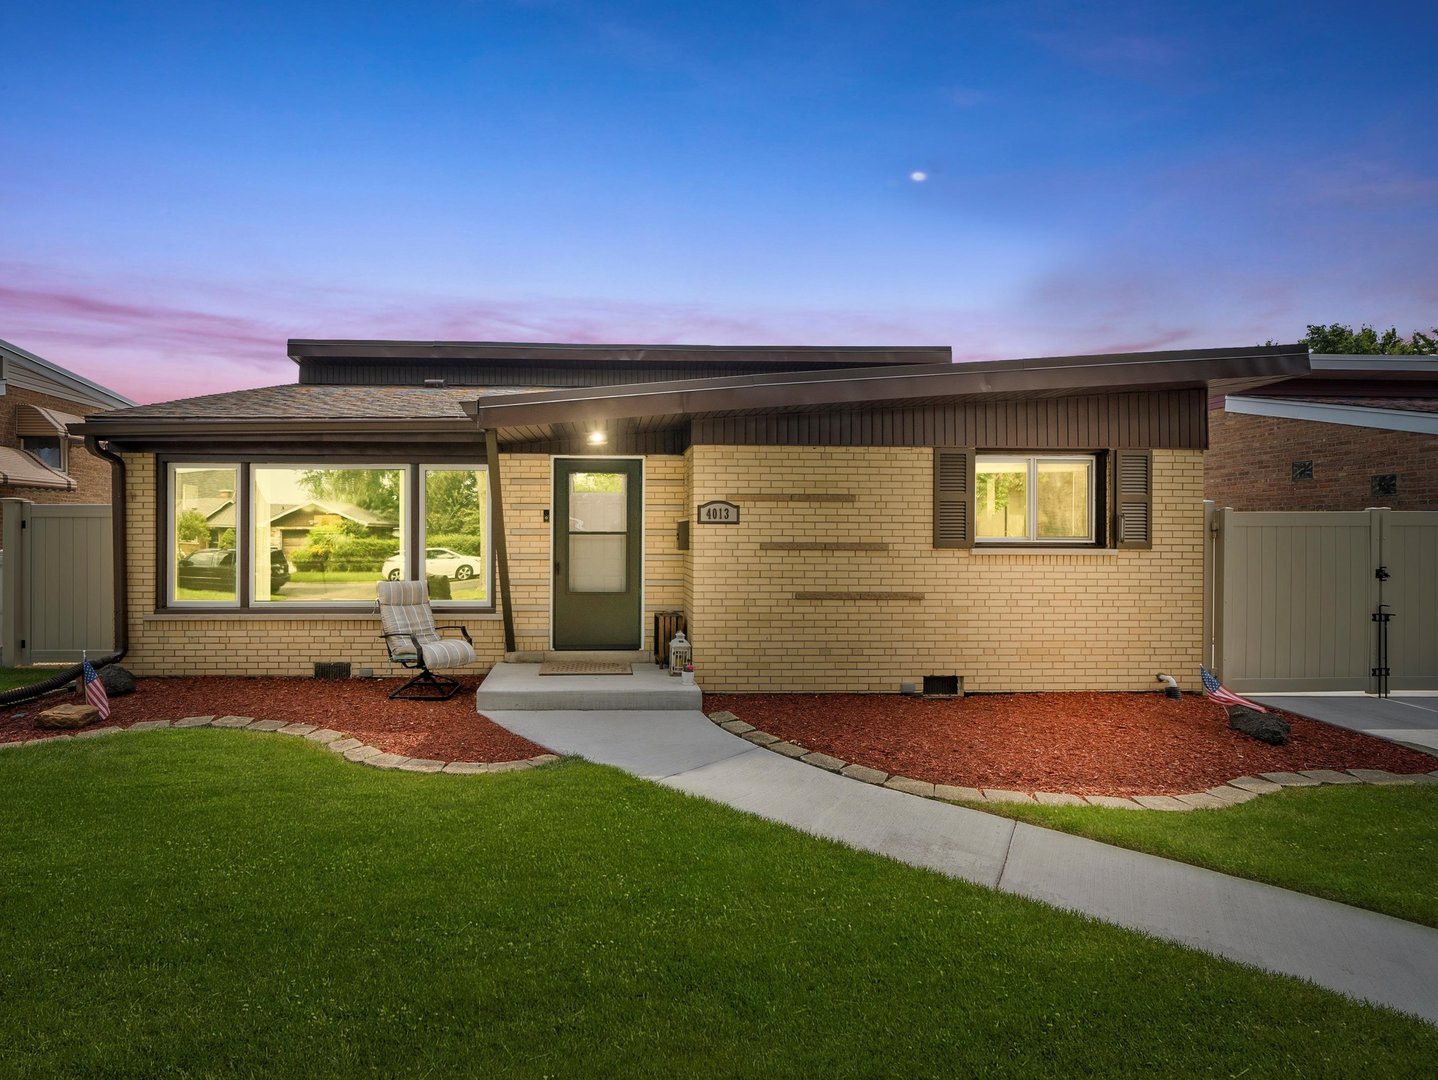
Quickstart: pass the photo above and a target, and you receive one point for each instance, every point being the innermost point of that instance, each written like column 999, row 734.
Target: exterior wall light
column 597, row 438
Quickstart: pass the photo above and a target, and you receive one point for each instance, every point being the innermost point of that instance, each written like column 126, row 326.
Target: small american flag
column 1216, row 691
column 95, row 690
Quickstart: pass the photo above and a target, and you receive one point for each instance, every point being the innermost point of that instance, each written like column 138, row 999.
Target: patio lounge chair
column 413, row 640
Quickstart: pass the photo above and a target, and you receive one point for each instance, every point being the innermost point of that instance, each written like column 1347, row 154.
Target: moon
column 918, row 176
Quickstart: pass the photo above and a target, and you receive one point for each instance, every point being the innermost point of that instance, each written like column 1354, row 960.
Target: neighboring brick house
column 39, row 459
column 1355, row 432
column 826, row 519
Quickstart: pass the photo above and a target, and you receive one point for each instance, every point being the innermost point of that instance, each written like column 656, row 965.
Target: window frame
column 62, row 443
column 244, row 604
column 1094, row 538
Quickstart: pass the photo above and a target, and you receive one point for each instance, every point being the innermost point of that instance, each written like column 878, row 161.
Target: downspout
column 65, row 678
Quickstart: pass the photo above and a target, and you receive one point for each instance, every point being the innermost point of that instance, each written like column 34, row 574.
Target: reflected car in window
column 213, row 569
column 439, row 562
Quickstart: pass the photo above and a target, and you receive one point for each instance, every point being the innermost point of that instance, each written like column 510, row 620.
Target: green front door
column 598, row 553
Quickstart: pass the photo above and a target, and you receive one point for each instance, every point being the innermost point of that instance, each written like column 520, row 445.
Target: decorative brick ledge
column 1238, row 790
column 804, row 545
column 858, row 596
column 336, row 742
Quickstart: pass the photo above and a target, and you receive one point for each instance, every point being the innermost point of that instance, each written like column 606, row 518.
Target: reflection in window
column 325, row 535
column 456, row 530
column 1025, row 499
column 202, row 534
column 47, row 448
column 1001, row 510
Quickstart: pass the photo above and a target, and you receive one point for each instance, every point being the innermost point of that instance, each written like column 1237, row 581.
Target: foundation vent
column 338, row 669
column 943, row 686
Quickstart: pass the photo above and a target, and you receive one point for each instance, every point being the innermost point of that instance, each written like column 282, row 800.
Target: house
column 39, row 459
column 824, row 518
column 1353, row 432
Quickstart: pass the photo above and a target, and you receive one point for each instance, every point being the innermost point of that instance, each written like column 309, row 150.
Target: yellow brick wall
column 290, row 644
column 1005, row 622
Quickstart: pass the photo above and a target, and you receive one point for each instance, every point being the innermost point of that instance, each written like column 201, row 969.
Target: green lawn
column 1374, row 847
column 12, row 678
column 204, row 902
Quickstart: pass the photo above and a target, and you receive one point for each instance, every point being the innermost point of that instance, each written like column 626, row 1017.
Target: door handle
column 557, row 567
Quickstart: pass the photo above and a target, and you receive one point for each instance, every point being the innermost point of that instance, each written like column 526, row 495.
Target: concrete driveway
column 1410, row 719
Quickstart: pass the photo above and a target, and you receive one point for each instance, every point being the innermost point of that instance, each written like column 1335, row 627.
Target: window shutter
column 953, row 498
column 1133, row 498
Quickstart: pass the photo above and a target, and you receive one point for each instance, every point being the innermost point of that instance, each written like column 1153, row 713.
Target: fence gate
column 1292, row 598
column 58, row 582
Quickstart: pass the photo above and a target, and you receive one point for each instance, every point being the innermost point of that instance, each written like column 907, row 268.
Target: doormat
column 581, row 667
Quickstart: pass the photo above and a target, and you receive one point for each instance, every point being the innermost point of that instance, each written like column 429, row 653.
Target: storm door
column 598, row 552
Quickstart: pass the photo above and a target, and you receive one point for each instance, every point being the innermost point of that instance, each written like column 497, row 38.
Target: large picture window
column 1032, row 499
column 265, row 535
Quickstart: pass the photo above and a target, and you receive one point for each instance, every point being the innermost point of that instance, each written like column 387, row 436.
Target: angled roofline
column 1219, row 370
column 88, row 391
column 302, row 349
column 1323, row 412
column 1336, row 365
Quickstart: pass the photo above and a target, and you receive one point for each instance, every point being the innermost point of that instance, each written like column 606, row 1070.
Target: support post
column 14, row 631
column 501, row 547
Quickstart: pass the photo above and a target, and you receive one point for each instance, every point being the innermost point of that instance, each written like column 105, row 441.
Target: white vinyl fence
column 57, row 582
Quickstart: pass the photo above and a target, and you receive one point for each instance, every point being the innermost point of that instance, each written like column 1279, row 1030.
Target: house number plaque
column 718, row 512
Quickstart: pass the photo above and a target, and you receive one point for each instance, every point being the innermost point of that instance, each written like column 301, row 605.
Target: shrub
column 335, row 551
column 464, row 543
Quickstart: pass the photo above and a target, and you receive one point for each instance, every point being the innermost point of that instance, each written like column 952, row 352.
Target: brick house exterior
column 34, row 393
column 1356, row 432
column 858, row 551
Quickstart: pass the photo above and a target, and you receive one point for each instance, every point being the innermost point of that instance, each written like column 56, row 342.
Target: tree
column 191, row 527
column 375, row 490
column 1337, row 338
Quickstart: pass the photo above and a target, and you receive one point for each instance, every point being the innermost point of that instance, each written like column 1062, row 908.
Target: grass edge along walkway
column 197, row 901
column 1369, row 846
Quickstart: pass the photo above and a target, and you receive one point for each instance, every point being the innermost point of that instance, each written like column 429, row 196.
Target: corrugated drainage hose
column 55, row 682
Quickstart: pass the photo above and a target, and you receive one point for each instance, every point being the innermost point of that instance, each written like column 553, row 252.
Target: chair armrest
column 456, row 626
column 389, row 646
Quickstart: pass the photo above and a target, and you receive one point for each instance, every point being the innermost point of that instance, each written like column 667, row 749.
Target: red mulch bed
column 1084, row 743
column 442, row 730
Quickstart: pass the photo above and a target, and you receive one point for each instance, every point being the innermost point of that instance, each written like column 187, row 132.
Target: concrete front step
column 592, row 656
column 520, row 688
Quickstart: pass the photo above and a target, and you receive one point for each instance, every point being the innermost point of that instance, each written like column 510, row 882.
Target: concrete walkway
column 1364, row 955
column 1410, row 719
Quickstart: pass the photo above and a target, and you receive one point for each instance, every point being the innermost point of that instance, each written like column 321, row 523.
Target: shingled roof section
column 296, row 402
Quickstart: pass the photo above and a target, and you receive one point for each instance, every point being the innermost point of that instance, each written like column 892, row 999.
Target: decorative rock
column 951, row 793
column 824, row 761
column 761, row 738
column 68, row 716
column 723, row 716
column 422, row 765
column 1290, row 779
column 296, row 729
column 1255, row 785
column 1265, row 727
column 325, row 735
column 362, row 752
column 1379, row 776
column 1202, row 800
column 1330, row 776
column 267, row 725
column 788, row 749
column 1004, row 795
column 466, row 768
column 1112, row 802
column 193, row 721
column 384, row 761
column 1057, row 798
column 1232, row 796
column 909, row 786
column 232, row 721
column 116, row 680
column 864, row 774
column 97, row 731
column 1160, row 802
column 343, row 746
column 736, row 727
column 149, row 725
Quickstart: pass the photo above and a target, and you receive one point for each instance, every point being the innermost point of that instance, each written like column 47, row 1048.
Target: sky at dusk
column 185, row 186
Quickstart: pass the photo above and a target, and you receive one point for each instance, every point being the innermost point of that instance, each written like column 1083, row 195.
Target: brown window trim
column 243, row 541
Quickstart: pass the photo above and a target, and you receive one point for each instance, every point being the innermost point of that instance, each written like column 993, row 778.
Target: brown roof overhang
column 816, row 356
column 106, row 427
column 1221, row 371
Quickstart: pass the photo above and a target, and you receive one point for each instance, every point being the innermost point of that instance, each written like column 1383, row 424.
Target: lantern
column 681, row 654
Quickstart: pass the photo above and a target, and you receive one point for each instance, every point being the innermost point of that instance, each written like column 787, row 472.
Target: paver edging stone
column 1238, row 790
column 337, row 742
